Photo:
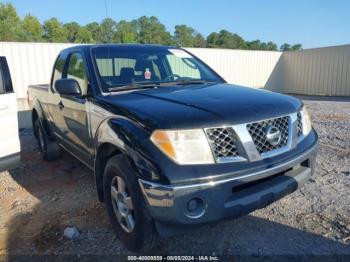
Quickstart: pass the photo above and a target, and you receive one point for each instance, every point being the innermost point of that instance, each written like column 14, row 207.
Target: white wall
column 241, row 67
column 30, row 63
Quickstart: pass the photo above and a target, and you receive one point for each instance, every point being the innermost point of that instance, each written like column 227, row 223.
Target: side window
column 77, row 71
column 5, row 77
column 57, row 71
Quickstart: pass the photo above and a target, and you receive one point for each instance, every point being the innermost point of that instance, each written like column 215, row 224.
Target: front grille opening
column 299, row 124
column 245, row 186
column 258, row 132
column 223, row 142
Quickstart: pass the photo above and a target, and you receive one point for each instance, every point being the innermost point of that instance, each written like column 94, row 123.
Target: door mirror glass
column 68, row 87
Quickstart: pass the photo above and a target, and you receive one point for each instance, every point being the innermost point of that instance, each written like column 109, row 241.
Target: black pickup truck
column 171, row 144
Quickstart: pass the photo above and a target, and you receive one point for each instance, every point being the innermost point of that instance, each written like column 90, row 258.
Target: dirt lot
column 38, row 200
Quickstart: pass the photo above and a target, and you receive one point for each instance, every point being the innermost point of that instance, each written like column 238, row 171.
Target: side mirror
column 68, row 87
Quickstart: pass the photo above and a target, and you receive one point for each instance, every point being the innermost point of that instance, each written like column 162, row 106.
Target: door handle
column 4, row 107
column 60, row 105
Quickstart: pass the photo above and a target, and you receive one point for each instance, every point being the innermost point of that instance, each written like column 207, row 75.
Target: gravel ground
column 38, row 200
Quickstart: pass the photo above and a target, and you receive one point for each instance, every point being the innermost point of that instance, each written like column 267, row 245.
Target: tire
column 49, row 149
column 142, row 237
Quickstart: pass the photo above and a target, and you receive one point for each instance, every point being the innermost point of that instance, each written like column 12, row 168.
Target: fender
column 41, row 116
column 118, row 135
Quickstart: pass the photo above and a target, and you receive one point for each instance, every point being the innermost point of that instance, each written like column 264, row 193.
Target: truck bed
column 38, row 92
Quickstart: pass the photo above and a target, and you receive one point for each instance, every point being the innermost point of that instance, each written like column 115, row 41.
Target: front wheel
column 126, row 207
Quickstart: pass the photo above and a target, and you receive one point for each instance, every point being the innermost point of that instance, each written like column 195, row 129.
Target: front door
column 74, row 110
column 9, row 137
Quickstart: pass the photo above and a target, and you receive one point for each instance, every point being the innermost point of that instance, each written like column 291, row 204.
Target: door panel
column 74, row 124
column 57, row 123
column 9, row 138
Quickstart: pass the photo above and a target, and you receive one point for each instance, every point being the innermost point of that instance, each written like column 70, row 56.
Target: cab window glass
column 5, row 77
column 183, row 67
column 58, row 69
column 77, row 70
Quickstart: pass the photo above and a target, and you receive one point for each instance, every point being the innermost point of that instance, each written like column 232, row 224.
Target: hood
column 195, row 106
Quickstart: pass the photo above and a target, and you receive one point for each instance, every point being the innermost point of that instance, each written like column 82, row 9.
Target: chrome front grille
column 258, row 132
column 223, row 142
column 299, row 124
column 257, row 140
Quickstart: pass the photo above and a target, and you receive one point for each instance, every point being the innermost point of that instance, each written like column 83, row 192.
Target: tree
column 226, row 39
column 54, row 31
column 254, row 45
column 72, row 29
column 108, row 29
column 285, row 47
column 271, row 46
column 32, row 30
column 212, row 40
column 199, row 40
column 10, row 23
column 184, row 35
column 296, row 47
column 151, row 31
column 95, row 30
column 126, row 32
column 83, row 36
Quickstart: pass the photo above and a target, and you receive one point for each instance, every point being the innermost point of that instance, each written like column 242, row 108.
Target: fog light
column 192, row 204
column 195, row 208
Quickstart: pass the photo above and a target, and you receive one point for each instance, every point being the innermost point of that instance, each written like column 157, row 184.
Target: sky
column 313, row 23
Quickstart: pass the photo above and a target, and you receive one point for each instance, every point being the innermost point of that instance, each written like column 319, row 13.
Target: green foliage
column 10, row 24
column 32, row 30
column 54, row 31
column 144, row 30
column 226, row 39
column 83, row 35
column 95, row 30
column 296, row 47
column 126, row 32
column 184, row 35
column 199, row 40
column 72, row 29
column 288, row 47
column 108, row 29
column 151, row 31
column 257, row 45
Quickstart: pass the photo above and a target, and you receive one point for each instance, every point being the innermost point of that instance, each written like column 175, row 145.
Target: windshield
column 119, row 66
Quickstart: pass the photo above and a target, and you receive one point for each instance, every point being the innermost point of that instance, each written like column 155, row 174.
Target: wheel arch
column 104, row 152
column 119, row 136
column 38, row 113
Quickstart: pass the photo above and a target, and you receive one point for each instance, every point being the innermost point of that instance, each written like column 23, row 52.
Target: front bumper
column 228, row 198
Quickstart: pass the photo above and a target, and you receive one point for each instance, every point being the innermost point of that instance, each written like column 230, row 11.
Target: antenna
column 106, row 9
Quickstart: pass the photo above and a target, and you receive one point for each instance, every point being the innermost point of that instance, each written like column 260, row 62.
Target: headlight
column 185, row 147
column 306, row 121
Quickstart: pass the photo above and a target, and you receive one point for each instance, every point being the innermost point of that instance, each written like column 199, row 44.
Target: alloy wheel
column 122, row 204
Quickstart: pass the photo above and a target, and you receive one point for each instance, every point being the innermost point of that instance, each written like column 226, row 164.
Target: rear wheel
column 49, row 149
column 126, row 207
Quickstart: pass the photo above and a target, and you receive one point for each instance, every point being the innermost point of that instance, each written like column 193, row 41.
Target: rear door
column 9, row 137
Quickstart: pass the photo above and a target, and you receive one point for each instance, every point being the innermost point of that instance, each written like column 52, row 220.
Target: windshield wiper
column 193, row 81
column 134, row 86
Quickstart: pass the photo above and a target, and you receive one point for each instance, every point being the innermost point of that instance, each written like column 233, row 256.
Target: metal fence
column 320, row 71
